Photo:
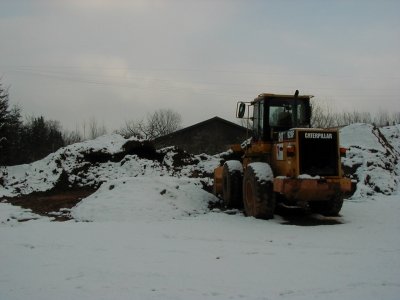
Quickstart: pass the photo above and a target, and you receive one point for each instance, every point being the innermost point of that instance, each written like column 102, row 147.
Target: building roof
column 216, row 118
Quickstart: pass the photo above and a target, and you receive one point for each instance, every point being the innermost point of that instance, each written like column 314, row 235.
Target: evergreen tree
column 4, row 125
column 15, row 128
column 25, row 143
column 40, row 138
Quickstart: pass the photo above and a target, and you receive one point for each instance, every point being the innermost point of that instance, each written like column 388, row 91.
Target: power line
column 168, row 87
column 125, row 77
column 197, row 70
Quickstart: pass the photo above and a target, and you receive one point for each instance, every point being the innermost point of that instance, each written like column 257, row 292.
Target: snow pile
column 392, row 134
column 92, row 163
column 370, row 159
column 234, row 165
column 11, row 215
column 185, row 164
column 57, row 168
column 262, row 171
column 144, row 199
column 24, row 179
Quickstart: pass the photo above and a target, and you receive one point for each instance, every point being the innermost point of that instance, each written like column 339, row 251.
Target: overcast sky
column 119, row 60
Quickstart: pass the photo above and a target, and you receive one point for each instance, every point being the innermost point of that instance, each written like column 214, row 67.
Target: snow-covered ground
column 212, row 255
column 147, row 233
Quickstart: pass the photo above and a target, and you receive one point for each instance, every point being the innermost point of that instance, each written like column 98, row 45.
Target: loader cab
column 276, row 113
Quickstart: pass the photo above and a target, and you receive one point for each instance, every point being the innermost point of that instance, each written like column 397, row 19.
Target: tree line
column 323, row 116
column 34, row 138
column 24, row 142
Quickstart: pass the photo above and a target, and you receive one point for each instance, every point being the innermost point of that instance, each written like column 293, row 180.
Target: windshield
column 285, row 113
column 280, row 116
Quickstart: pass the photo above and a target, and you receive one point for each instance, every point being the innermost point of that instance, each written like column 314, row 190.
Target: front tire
column 232, row 176
column 258, row 195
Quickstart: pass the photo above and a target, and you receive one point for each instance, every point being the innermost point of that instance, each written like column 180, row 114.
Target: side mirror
column 241, row 109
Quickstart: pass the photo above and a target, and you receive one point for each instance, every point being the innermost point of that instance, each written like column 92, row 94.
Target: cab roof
column 268, row 95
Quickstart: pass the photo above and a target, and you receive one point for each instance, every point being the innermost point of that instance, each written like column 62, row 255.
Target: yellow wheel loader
column 285, row 162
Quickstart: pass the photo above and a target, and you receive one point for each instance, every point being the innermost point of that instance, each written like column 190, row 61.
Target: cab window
column 258, row 120
column 281, row 116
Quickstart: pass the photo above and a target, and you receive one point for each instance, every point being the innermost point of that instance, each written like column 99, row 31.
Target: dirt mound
column 54, row 203
column 58, row 182
column 91, row 163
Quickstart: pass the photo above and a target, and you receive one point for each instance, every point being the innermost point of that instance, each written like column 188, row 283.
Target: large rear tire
column 232, row 176
column 258, row 195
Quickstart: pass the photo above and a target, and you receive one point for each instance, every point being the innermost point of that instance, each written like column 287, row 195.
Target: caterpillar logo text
column 318, row 135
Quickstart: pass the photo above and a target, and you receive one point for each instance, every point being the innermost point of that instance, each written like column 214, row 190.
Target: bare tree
column 72, row 137
column 396, row 118
column 366, row 118
column 382, row 118
column 322, row 115
column 134, row 128
column 164, row 121
column 93, row 129
column 347, row 118
column 159, row 123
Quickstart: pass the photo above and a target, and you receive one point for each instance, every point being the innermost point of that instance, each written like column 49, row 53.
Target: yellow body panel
column 312, row 189
column 286, row 170
column 217, row 188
